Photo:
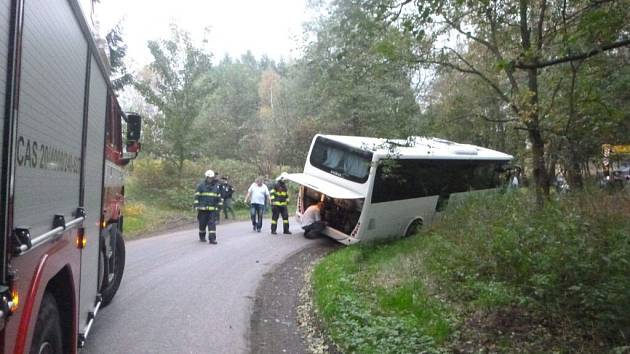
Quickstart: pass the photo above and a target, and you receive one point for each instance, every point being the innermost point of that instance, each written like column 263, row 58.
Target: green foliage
column 505, row 65
column 567, row 262
column 562, row 269
column 355, row 86
column 231, row 106
column 174, row 188
column 177, row 84
column 368, row 310
column 117, row 52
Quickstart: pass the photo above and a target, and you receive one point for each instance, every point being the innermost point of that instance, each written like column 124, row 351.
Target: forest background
column 545, row 81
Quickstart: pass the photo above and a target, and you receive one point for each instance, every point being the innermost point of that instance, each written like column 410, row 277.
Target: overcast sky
column 272, row 27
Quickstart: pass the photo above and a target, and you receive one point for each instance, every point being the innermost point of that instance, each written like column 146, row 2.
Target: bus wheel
column 48, row 338
column 414, row 228
column 111, row 279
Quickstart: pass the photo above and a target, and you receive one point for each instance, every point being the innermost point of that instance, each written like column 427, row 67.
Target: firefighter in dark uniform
column 279, row 200
column 208, row 204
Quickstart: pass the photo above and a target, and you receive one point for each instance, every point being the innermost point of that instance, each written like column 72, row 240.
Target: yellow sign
column 620, row 149
column 616, row 149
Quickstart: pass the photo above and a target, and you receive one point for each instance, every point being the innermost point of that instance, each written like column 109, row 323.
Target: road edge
column 283, row 319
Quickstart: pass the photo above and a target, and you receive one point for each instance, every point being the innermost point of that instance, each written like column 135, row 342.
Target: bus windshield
column 340, row 160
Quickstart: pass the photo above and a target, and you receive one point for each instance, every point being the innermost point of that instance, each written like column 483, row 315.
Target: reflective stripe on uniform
column 273, row 222
column 208, row 194
column 285, row 221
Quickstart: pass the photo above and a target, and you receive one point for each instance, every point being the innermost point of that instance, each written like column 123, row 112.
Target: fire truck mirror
column 134, row 126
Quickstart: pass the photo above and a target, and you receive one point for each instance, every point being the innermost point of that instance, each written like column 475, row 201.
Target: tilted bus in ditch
column 62, row 252
column 378, row 188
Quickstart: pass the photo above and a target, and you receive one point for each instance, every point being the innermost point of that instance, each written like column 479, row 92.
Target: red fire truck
column 62, row 252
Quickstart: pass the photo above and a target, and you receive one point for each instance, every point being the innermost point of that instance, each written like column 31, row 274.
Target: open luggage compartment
column 341, row 215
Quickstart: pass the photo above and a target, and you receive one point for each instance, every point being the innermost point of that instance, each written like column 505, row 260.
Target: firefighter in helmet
column 208, row 203
column 279, row 200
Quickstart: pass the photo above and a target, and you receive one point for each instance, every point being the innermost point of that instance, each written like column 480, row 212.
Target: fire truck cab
column 62, row 253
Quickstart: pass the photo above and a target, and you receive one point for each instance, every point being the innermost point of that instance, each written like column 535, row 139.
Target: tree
column 522, row 38
column 462, row 108
column 177, row 84
column 354, row 87
column 117, row 52
column 231, row 107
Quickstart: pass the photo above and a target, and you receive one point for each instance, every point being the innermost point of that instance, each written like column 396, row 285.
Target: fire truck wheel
column 48, row 338
column 110, row 286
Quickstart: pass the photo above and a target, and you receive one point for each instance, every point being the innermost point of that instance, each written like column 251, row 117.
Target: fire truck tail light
column 81, row 238
column 15, row 301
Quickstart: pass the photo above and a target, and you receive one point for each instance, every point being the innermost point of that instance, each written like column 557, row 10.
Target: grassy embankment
column 494, row 275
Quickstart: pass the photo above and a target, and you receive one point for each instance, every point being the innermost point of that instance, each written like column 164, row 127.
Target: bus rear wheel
column 414, row 228
column 48, row 337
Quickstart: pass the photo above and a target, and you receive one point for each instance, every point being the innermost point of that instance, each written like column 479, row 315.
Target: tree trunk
column 541, row 178
column 531, row 113
column 575, row 173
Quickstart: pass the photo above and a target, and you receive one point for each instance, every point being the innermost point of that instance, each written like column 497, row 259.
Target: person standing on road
column 312, row 221
column 208, row 203
column 258, row 194
column 279, row 200
column 226, row 193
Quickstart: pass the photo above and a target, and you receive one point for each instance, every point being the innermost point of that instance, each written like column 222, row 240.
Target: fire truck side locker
column 57, row 147
column 59, row 43
column 94, row 164
column 5, row 23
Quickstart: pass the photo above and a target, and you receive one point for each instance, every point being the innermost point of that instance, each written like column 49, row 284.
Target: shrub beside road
column 494, row 275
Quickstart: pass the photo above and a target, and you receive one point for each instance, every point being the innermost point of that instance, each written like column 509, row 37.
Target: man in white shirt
column 258, row 194
column 312, row 221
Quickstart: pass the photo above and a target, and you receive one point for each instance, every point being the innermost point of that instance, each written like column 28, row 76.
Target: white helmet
column 209, row 174
column 282, row 177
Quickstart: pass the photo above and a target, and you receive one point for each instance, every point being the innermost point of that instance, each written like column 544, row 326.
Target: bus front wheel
column 414, row 228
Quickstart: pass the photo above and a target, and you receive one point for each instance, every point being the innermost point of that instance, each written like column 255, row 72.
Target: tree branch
column 509, row 70
column 580, row 56
column 497, row 120
column 400, row 8
column 470, row 36
column 494, row 86
column 541, row 19
column 553, row 98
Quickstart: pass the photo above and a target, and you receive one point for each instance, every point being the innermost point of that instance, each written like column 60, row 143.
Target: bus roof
column 419, row 147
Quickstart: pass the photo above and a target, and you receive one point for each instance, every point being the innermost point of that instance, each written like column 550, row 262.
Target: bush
column 567, row 262
column 162, row 182
column 133, row 209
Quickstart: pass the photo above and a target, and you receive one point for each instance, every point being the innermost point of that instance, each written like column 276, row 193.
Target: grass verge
column 143, row 219
column 494, row 275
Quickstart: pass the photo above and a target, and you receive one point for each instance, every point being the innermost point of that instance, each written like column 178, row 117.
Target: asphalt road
column 179, row 295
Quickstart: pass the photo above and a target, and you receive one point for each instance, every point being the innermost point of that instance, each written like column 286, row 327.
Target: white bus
column 376, row 188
